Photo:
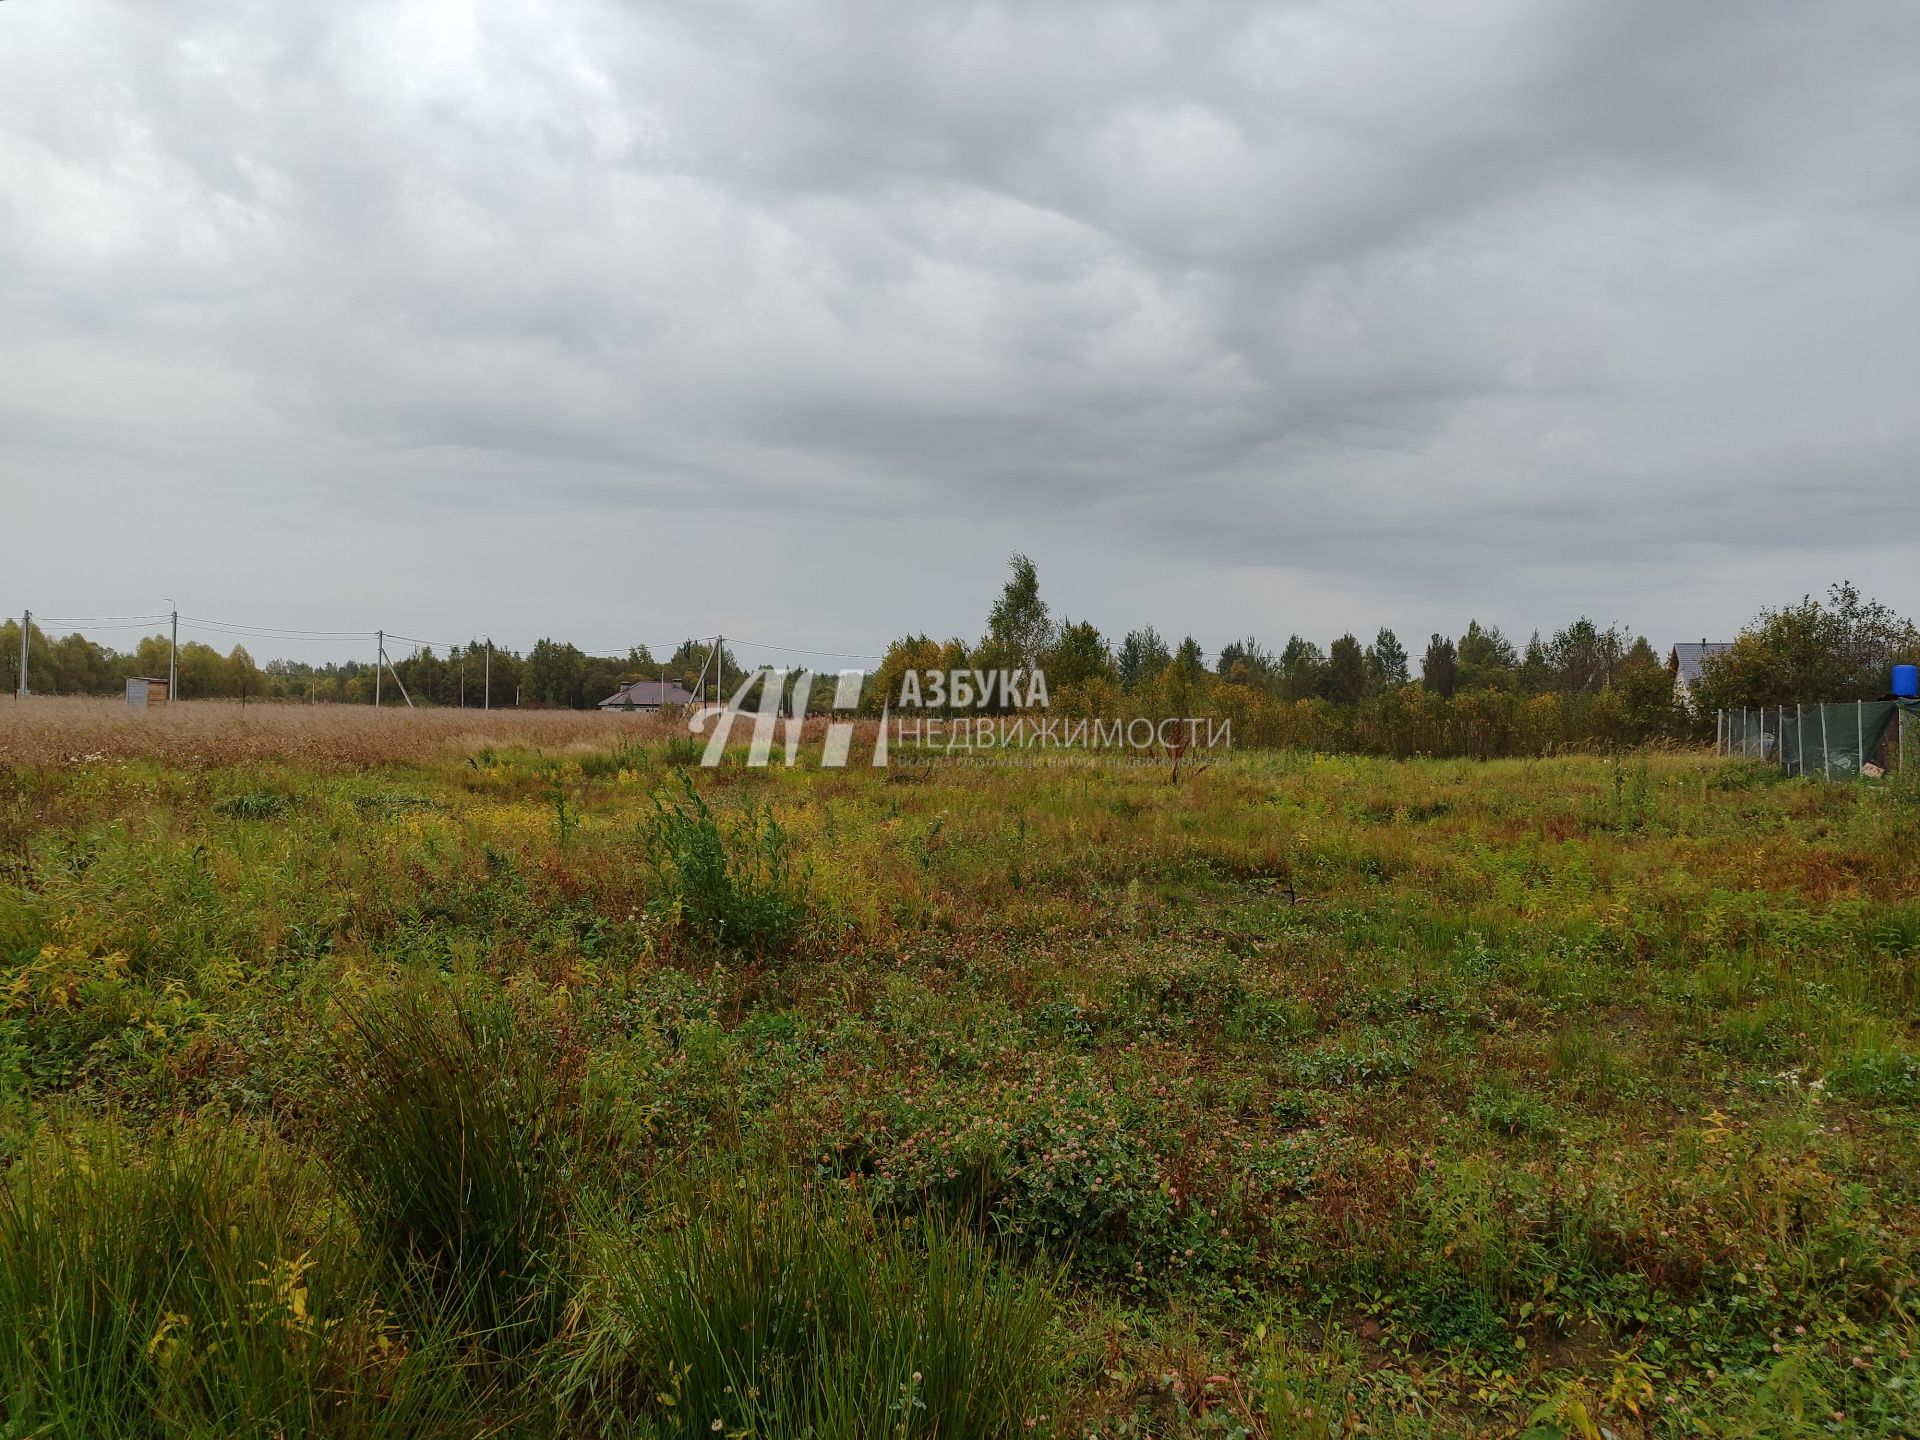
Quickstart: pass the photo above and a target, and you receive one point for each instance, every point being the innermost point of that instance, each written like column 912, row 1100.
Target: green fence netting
column 1835, row 741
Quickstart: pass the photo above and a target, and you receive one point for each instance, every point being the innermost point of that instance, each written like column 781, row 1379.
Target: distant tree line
column 1476, row 694
column 552, row 674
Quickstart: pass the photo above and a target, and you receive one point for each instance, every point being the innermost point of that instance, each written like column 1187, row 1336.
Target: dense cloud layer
column 586, row 317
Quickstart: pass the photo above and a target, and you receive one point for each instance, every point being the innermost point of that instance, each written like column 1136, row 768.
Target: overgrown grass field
column 523, row 1082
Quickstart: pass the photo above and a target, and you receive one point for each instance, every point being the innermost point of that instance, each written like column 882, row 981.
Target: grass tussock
column 756, row 1306
column 194, row 1284
column 450, row 1149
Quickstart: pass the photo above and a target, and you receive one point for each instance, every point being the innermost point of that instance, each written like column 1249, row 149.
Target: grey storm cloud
column 1316, row 316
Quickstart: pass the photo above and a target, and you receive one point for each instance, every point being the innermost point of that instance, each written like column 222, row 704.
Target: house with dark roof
column 650, row 696
column 1685, row 660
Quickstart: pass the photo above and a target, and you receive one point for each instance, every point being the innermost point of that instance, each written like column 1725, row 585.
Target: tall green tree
column 1143, row 655
column 1077, row 655
column 555, row 674
column 1019, row 630
column 1646, row 694
column 1190, row 661
column 1346, row 671
column 1486, row 659
column 1440, row 667
column 1303, row 669
column 690, row 657
column 1246, row 662
column 1584, row 658
column 1534, row 674
column 1386, row 661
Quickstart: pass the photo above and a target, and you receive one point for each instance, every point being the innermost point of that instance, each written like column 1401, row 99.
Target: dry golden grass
column 57, row 731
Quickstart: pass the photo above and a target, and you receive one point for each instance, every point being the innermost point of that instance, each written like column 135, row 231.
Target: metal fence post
column 1826, row 760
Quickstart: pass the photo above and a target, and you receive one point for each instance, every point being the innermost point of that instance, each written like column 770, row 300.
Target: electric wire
column 98, row 619
column 802, row 650
column 279, row 629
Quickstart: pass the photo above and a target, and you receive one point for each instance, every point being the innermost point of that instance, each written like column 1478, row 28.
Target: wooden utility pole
column 486, row 682
column 26, row 636
column 398, row 681
column 379, row 659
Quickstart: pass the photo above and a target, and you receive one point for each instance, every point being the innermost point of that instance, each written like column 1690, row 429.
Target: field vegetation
column 444, row 1074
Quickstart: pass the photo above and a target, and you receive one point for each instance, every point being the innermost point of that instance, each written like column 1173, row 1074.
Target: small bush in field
column 764, row 1308
column 252, row 805
column 1878, row 1074
column 682, row 751
column 1503, row 1107
column 739, row 886
column 450, row 1151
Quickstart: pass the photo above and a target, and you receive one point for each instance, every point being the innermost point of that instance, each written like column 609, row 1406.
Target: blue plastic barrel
column 1906, row 681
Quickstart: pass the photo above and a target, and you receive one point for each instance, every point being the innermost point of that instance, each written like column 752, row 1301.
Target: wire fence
column 1842, row 741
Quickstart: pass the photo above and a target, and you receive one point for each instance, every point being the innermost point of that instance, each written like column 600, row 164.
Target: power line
column 97, row 619
column 40, row 622
column 416, row 640
column 802, row 650
column 222, row 632
column 278, row 630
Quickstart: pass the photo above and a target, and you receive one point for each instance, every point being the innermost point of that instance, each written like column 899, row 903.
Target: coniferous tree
column 1346, row 671
column 1386, row 661
column 1440, row 668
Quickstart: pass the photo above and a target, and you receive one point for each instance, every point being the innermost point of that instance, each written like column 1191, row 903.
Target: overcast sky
column 622, row 321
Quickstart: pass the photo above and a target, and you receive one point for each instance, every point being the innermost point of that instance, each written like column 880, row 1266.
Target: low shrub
column 738, row 887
